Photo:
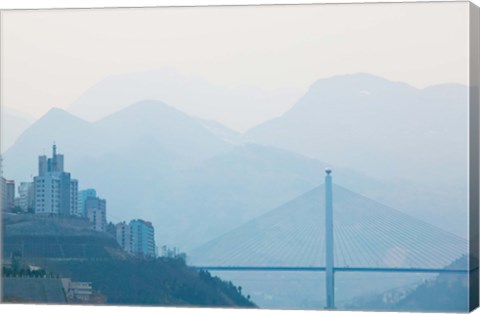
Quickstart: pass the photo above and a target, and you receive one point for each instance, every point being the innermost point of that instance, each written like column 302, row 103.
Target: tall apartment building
column 142, row 237
column 9, row 195
column 124, row 236
column 26, row 195
column 3, row 190
column 83, row 195
column 55, row 191
column 3, row 194
column 96, row 209
column 74, row 197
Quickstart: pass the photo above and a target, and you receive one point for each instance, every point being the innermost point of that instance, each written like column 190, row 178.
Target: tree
column 16, row 260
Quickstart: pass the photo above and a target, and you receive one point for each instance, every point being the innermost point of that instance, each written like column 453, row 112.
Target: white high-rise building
column 9, row 195
column 74, row 211
column 124, row 236
column 3, row 188
column 55, row 191
column 97, row 213
column 143, row 238
column 83, row 195
column 3, row 194
column 26, row 194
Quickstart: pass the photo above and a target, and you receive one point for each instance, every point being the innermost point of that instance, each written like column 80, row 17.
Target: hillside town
column 54, row 192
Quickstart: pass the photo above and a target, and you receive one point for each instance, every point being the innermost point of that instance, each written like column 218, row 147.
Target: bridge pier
column 329, row 262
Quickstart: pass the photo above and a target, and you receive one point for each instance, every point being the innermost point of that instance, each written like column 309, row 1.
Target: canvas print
column 273, row 156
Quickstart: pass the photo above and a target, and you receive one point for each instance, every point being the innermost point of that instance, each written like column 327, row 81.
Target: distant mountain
column 70, row 132
column 232, row 106
column 149, row 131
column 382, row 128
column 221, row 192
column 156, row 122
column 152, row 161
column 13, row 123
column 222, row 131
column 231, row 188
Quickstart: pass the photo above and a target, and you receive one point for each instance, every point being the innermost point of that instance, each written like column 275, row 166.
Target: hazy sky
column 49, row 58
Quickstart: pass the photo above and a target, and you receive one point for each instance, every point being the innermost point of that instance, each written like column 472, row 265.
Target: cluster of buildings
column 55, row 192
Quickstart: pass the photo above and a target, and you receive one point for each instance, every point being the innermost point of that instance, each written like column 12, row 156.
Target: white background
column 27, row 4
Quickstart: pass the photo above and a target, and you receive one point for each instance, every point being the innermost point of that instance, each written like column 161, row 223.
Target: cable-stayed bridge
column 332, row 229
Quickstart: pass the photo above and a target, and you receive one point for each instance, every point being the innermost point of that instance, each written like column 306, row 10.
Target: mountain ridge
column 393, row 130
column 195, row 96
column 187, row 166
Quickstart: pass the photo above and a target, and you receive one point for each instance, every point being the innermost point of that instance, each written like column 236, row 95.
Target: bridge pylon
column 329, row 261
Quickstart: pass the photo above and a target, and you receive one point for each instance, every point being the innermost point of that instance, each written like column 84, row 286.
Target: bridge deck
column 336, row 269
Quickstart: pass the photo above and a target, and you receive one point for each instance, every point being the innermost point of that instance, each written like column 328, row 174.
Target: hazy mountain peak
column 146, row 109
column 148, row 115
column 363, row 83
column 54, row 124
column 57, row 126
column 193, row 95
column 371, row 124
column 150, row 104
column 57, row 115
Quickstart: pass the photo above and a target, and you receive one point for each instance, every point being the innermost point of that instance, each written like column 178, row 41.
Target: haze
column 51, row 57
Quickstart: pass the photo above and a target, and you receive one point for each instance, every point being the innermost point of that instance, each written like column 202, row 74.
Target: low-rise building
column 77, row 291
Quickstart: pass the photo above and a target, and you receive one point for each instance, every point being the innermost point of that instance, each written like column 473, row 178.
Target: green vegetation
column 25, row 272
column 68, row 248
column 445, row 293
column 18, row 269
column 448, row 292
column 161, row 281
